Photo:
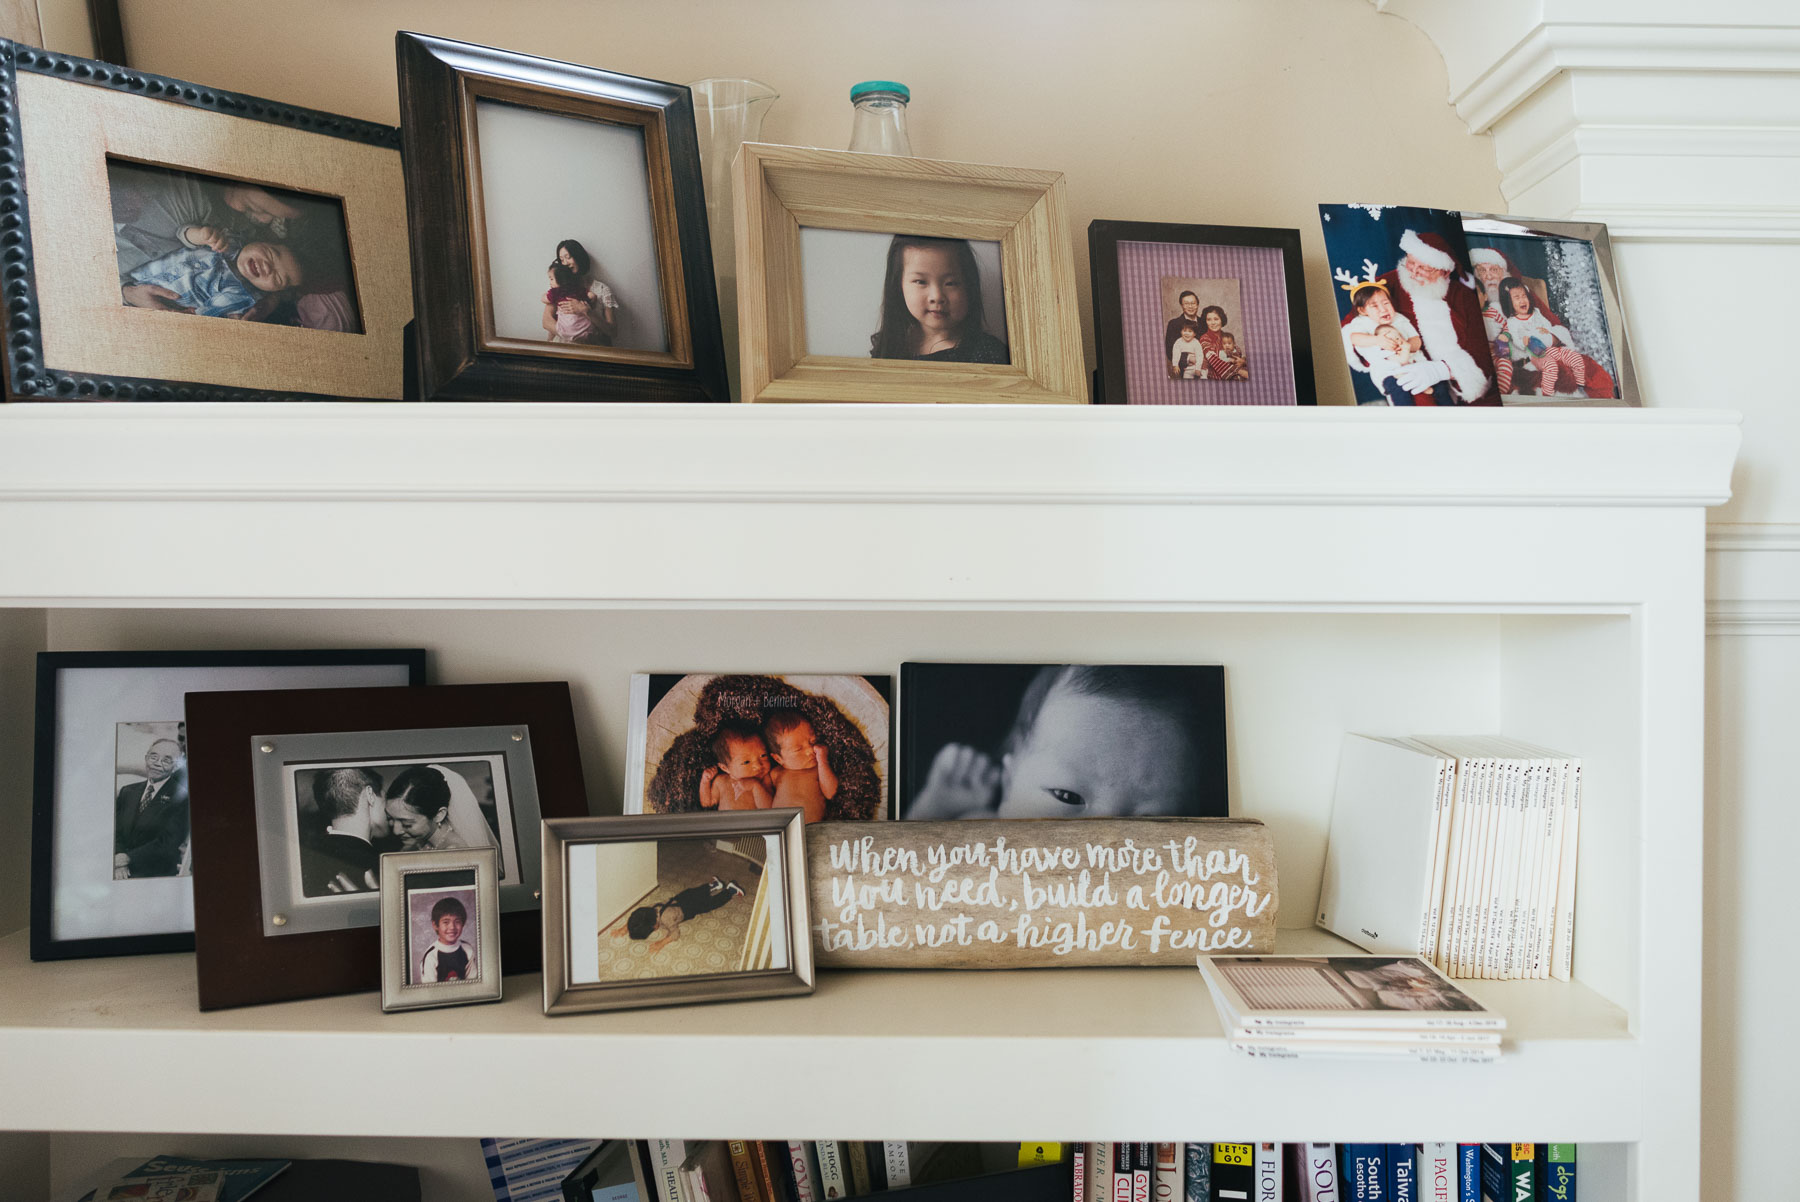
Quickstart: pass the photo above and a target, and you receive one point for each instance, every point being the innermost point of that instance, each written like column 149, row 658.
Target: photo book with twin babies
column 712, row 743
column 1061, row 741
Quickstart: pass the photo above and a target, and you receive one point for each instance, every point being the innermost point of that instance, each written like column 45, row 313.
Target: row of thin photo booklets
column 1460, row 850
column 1272, row 1172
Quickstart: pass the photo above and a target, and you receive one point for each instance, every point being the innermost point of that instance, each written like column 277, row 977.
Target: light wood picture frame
column 781, row 190
column 618, row 892
column 69, row 125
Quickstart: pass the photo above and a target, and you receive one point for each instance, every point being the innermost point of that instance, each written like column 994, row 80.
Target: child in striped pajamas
column 1549, row 348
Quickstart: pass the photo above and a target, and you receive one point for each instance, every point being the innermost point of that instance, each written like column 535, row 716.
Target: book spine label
column 1268, row 1173
column 1562, row 956
column 1121, row 1175
column 1437, row 1173
column 769, row 1171
column 1319, row 1173
column 1143, row 1170
column 1559, row 1173
column 1100, row 1171
column 743, row 1171
column 1521, row 1175
column 805, row 1178
column 1170, row 1183
column 1233, row 1172
column 667, row 1155
column 1078, row 1171
column 1496, row 1172
column 833, row 1183
column 1402, row 1167
column 898, row 1164
column 1468, row 1173
column 1365, row 1177
column 858, row 1156
column 1198, row 1171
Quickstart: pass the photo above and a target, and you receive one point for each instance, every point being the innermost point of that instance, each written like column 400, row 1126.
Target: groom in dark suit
column 150, row 817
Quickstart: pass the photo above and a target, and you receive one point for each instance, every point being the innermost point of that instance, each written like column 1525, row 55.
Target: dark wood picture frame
column 29, row 376
column 44, row 944
column 236, row 963
column 460, row 356
column 1104, row 238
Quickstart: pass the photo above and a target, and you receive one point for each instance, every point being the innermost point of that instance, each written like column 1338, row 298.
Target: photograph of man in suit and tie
column 150, row 804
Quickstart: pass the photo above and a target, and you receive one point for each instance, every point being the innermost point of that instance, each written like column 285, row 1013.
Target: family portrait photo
column 1198, row 337
column 676, row 907
column 1543, row 302
column 900, row 296
column 443, row 927
column 150, row 802
column 1410, row 316
column 570, row 235
column 214, row 247
column 347, row 814
column 1062, row 741
column 818, row 744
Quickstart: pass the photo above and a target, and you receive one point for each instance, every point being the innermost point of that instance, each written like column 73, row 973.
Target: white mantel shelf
column 927, row 1055
column 633, row 504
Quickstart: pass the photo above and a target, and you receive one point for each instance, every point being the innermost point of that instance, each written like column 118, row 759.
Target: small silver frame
column 396, row 956
column 561, row 996
column 1594, row 233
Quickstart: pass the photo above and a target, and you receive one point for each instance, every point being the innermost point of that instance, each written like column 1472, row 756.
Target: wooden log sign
column 1039, row 893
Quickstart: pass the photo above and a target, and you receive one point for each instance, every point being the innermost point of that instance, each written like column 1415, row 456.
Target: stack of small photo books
column 1355, row 1007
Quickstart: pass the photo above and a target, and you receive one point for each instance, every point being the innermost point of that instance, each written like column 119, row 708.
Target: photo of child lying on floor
column 676, row 907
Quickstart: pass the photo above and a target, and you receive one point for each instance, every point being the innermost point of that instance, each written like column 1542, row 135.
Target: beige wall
column 1293, row 103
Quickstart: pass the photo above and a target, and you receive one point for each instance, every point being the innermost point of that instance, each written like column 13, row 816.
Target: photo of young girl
column 901, row 296
column 1543, row 304
column 1061, row 741
column 745, row 742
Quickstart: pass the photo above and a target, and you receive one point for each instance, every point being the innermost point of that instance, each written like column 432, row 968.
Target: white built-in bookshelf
column 1535, row 573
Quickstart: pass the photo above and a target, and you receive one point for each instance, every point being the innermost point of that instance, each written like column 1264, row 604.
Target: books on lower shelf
column 1356, row 1007
column 1458, row 849
column 665, row 1170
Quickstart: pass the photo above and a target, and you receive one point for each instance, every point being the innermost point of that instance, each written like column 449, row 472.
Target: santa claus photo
column 1543, row 306
column 1408, row 307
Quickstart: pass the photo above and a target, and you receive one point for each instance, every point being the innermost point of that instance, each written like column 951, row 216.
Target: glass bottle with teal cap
column 880, row 126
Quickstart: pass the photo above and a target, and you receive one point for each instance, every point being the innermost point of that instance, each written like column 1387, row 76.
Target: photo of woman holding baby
column 817, row 744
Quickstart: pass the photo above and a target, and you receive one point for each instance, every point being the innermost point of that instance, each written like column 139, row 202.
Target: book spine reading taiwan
column 1402, row 1167
column 1233, row 1172
column 1197, row 1159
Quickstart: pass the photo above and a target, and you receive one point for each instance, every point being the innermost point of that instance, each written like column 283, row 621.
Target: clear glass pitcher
column 727, row 113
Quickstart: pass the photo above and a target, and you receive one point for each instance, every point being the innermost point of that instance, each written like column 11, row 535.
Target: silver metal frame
column 1593, row 232
column 560, row 834
column 396, row 957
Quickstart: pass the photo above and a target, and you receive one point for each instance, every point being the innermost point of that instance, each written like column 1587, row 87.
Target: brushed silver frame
column 396, row 957
column 1593, row 232
column 561, row 834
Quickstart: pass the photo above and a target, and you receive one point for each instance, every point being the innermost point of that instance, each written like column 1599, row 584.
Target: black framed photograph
column 440, row 927
column 560, row 242
column 662, row 910
column 1061, row 741
column 303, row 791
column 112, row 861
column 177, row 242
column 1199, row 314
column 1550, row 302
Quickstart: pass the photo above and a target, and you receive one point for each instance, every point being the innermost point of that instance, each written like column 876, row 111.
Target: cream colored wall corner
column 1679, row 126
column 1145, row 123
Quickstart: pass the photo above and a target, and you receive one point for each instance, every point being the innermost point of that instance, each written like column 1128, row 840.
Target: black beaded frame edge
column 27, row 377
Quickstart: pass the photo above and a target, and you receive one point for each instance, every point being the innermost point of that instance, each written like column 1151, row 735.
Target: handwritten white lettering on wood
column 1039, row 893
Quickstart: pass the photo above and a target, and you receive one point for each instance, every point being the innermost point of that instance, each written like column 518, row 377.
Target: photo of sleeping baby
column 901, row 296
column 818, row 744
column 676, row 907
column 214, row 247
column 568, row 231
column 1062, row 741
column 1199, row 342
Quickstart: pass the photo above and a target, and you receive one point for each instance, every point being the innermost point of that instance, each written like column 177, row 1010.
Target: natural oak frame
column 779, row 189
column 461, row 357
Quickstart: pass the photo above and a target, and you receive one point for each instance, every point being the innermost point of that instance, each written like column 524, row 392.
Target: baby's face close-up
column 747, row 758
column 269, row 266
column 1098, row 756
column 796, row 748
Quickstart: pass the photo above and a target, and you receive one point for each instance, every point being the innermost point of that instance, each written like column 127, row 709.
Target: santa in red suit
column 1429, row 289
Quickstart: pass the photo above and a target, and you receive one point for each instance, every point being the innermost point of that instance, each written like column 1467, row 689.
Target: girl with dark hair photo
column 578, row 307
column 931, row 305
